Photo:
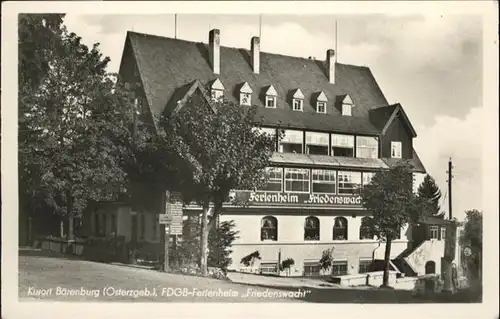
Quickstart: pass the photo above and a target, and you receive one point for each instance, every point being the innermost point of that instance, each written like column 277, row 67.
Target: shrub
column 286, row 264
column 326, row 259
column 250, row 259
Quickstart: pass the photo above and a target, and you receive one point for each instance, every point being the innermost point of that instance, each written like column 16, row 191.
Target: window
column 269, row 268
column 275, row 180
column 217, row 90
column 113, row 224
column 433, row 230
column 139, row 107
column 271, row 101
column 143, row 226
column 340, row 229
column 324, row 181
column 154, row 225
column 339, row 268
column 367, row 177
column 364, row 265
column 311, row 228
column 298, row 104
column 346, row 109
column 217, row 95
column 317, row 143
column 292, row 142
column 246, row 94
column 245, row 99
column 297, row 180
column 269, row 228
column 321, row 102
column 366, row 229
column 342, row 145
column 443, row 233
column 321, row 107
column 395, row 149
column 347, row 105
column 349, row 182
column 311, row 269
column 271, row 95
column 366, row 147
column 298, row 100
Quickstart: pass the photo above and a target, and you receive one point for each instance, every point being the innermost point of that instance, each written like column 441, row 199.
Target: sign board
column 164, row 219
column 296, row 199
column 173, row 210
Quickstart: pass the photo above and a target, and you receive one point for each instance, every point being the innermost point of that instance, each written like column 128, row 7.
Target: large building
column 339, row 129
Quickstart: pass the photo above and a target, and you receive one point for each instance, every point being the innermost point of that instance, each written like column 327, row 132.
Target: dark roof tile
column 167, row 64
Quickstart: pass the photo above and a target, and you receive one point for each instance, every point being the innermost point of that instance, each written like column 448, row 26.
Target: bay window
column 269, row 131
column 292, row 142
column 349, row 182
column 366, row 147
column 297, row 180
column 324, row 181
column 367, row 178
column 317, row 143
column 274, row 180
column 342, row 145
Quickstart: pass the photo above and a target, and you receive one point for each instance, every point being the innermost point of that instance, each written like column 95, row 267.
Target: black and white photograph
column 180, row 153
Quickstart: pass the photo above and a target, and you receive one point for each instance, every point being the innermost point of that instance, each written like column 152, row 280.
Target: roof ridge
column 246, row 49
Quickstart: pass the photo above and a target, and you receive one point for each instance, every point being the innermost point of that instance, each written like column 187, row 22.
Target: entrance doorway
column 430, row 267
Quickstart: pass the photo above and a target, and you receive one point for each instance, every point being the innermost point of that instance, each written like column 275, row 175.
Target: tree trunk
column 387, row 259
column 204, row 238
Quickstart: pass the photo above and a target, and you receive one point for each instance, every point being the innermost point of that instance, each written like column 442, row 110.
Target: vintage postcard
column 249, row 159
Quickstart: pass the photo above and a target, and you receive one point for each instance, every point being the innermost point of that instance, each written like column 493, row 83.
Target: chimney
column 330, row 63
column 214, row 42
column 255, row 48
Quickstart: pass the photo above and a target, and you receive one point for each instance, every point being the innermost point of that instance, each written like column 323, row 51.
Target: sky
column 430, row 64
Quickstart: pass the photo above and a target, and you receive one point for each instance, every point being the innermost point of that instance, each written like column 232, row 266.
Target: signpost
column 171, row 221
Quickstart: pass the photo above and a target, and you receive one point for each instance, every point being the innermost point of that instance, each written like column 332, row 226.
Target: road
column 43, row 276
column 50, row 276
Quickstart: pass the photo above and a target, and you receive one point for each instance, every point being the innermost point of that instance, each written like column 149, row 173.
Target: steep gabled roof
column 167, row 64
column 415, row 161
column 382, row 117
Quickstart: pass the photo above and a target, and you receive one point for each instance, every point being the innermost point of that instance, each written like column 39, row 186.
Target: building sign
column 295, row 199
column 173, row 212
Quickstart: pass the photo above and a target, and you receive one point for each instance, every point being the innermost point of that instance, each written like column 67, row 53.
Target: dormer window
column 298, row 100
column 321, row 103
column 271, row 95
column 246, row 94
column 217, row 90
column 347, row 106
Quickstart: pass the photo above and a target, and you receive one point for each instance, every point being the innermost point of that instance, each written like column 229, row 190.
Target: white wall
column 291, row 242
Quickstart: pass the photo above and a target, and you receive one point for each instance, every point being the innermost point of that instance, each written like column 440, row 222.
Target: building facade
column 339, row 129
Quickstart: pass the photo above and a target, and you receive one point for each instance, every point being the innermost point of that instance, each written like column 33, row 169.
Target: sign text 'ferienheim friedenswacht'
column 298, row 198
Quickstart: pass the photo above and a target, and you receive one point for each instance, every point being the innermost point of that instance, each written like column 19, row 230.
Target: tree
column 428, row 190
column 287, row 264
column 227, row 152
column 39, row 37
column 220, row 240
column 390, row 198
column 472, row 236
column 75, row 130
column 326, row 260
